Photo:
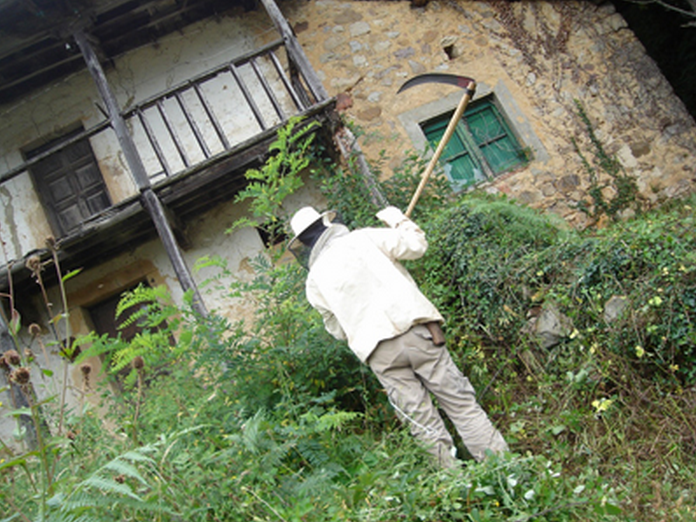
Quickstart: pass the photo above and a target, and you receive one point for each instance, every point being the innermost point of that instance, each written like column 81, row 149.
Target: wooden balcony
column 195, row 140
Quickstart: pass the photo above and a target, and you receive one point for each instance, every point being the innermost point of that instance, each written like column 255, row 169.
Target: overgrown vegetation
column 277, row 421
column 612, row 191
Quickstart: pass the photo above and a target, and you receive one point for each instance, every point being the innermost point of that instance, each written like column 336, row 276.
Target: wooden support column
column 355, row 159
column 148, row 198
column 346, row 142
column 131, row 154
column 295, row 50
column 156, row 209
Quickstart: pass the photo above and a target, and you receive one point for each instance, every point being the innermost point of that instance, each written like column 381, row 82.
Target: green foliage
column 493, row 266
column 286, row 357
column 273, row 419
column 347, row 192
column 607, row 197
column 279, row 177
column 501, row 488
column 651, row 263
column 477, row 248
column 491, row 262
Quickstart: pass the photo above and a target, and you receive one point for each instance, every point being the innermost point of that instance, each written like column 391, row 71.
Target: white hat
column 306, row 217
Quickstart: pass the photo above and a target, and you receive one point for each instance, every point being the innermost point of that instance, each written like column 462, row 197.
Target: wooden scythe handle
column 468, row 93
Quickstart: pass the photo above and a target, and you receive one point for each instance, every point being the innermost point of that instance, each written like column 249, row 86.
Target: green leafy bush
column 478, row 247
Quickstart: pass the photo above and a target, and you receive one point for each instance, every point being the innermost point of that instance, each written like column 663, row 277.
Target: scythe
column 469, row 86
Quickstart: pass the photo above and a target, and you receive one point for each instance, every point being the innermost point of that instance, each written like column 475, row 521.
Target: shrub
column 478, row 247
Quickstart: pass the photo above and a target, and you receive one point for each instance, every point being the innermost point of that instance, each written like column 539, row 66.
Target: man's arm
column 330, row 322
column 332, row 325
column 406, row 240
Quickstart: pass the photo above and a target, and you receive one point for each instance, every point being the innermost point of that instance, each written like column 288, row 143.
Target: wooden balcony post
column 148, row 197
column 130, row 152
column 295, row 50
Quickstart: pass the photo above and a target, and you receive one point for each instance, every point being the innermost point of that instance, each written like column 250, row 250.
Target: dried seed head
column 71, row 435
column 51, row 243
column 20, row 375
column 120, row 479
column 33, row 263
column 34, row 329
column 12, row 358
column 86, row 369
column 138, row 363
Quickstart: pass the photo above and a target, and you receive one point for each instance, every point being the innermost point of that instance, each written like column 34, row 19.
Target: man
column 367, row 298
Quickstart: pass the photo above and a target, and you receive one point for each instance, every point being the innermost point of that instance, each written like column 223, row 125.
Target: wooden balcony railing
column 210, row 113
column 206, row 115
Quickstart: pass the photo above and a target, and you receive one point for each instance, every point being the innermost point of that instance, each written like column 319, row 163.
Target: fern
column 98, row 346
column 153, row 304
column 331, row 421
column 126, row 354
column 109, row 487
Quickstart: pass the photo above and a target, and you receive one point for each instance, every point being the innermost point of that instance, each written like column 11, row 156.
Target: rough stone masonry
column 546, row 55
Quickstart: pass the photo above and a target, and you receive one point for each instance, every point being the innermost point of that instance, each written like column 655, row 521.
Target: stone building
column 531, row 60
column 127, row 125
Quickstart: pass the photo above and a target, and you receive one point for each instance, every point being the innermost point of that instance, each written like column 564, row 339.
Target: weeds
column 275, row 420
column 612, row 191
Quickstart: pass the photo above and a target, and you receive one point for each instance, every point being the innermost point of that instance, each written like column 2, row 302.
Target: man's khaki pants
column 409, row 367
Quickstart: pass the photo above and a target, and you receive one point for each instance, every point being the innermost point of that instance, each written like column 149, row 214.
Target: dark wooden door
column 70, row 185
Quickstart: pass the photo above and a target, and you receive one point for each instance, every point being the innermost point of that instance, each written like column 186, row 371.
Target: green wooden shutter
column 482, row 145
column 493, row 138
column 461, row 167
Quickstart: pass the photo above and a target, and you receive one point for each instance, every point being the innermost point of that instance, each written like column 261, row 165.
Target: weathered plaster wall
column 149, row 262
column 543, row 54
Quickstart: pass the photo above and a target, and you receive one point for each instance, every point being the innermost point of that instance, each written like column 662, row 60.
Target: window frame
column 471, row 146
column 501, row 98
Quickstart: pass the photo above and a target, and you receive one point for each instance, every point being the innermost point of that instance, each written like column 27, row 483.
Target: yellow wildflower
column 602, row 404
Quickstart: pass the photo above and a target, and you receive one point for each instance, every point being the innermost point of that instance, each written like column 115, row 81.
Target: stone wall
column 538, row 57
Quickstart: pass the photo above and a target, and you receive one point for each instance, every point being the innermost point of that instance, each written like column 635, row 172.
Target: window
column 482, row 146
column 69, row 184
column 103, row 316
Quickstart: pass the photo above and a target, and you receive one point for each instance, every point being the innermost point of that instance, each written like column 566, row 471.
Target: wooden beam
column 295, row 50
column 54, row 65
column 130, row 152
column 148, row 198
column 156, row 210
column 16, row 171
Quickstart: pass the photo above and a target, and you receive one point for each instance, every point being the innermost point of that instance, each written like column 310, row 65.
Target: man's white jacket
column 358, row 285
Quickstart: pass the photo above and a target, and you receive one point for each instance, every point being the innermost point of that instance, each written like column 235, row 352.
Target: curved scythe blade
column 452, row 79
